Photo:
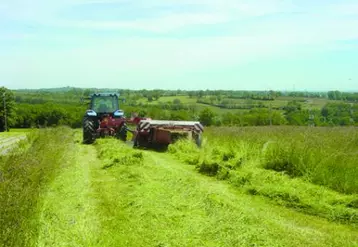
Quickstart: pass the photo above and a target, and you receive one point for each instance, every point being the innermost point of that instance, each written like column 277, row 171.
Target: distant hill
column 65, row 89
column 61, row 89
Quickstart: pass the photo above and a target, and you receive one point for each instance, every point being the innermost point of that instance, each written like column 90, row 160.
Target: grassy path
column 68, row 215
column 162, row 202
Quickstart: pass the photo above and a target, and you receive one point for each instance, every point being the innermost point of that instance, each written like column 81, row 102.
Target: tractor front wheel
column 88, row 131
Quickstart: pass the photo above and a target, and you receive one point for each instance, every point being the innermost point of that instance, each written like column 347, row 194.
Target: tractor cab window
column 103, row 104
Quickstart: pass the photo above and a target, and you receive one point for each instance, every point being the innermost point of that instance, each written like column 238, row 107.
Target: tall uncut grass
column 24, row 175
column 314, row 170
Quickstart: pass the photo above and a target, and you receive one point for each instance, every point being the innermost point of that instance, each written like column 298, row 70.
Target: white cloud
column 320, row 23
column 343, row 8
column 311, row 27
column 43, row 11
column 16, row 36
column 216, row 12
column 162, row 24
column 155, row 56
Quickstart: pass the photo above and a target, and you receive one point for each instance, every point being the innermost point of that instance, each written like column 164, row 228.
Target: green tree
column 292, row 106
column 176, row 102
column 298, row 118
column 207, row 117
column 7, row 109
column 201, row 94
column 156, row 94
column 179, row 115
column 212, row 99
column 150, row 98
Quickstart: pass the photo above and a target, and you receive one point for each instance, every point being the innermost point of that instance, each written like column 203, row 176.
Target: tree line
column 36, row 108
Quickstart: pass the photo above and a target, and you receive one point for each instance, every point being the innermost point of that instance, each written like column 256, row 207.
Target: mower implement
column 161, row 133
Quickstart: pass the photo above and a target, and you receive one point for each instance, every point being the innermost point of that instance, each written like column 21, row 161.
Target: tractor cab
column 102, row 104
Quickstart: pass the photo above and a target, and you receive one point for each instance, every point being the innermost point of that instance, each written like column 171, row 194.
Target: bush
column 207, row 116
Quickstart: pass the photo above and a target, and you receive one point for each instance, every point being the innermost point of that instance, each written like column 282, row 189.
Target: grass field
column 307, row 103
column 24, row 176
column 169, row 99
column 9, row 140
column 278, row 103
column 186, row 100
column 60, row 192
column 313, row 170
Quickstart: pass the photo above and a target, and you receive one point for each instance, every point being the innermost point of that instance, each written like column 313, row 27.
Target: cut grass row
column 310, row 169
column 24, row 174
column 69, row 215
column 152, row 199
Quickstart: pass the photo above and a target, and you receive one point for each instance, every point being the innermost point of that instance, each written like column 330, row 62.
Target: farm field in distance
column 252, row 186
column 65, row 106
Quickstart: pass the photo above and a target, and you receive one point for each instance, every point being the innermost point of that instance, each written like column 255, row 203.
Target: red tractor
column 104, row 118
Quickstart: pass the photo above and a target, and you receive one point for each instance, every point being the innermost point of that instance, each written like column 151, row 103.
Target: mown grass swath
column 24, row 175
column 112, row 155
column 310, row 169
column 148, row 198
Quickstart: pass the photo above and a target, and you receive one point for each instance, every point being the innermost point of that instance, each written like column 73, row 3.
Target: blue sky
column 171, row 44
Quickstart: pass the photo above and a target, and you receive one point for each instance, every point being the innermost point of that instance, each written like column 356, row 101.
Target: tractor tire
column 122, row 133
column 140, row 142
column 88, row 131
column 135, row 142
column 198, row 141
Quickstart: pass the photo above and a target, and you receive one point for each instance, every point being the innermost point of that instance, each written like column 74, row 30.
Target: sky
column 180, row 44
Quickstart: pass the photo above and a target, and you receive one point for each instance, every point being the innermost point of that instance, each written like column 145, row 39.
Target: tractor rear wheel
column 88, row 131
column 141, row 141
column 122, row 133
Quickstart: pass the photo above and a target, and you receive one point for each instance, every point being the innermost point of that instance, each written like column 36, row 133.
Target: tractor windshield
column 105, row 104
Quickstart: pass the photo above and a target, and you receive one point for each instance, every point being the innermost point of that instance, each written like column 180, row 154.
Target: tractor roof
column 104, row 94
